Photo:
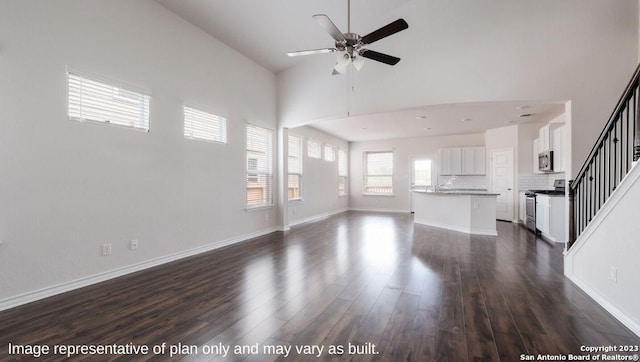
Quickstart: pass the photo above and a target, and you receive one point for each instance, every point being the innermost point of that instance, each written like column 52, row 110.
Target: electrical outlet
column 266, row 217
column 106, row 249
column 133, row 244
column 613, row 274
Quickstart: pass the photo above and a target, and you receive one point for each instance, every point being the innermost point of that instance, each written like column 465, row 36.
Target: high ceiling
column 265, row 31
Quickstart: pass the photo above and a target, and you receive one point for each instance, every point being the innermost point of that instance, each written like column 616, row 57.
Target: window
column 422, row 173
column 96, row 101
column 329, row 153
column 259, row 160
column 295, row 168
column 313, row 149
column 204, row 126
column 378, row 173
column 342, row 172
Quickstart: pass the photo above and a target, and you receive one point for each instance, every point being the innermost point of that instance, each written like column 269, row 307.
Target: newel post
column 572, row 215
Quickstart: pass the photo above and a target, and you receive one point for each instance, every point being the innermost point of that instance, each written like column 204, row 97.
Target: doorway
column 502, row 182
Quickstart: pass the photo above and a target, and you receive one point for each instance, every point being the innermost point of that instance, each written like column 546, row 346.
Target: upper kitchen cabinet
column 546, row 135
column 557, row 146
column 551, row 138
column 461, row 161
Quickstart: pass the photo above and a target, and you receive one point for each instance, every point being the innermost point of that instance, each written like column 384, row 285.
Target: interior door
column 502, row 182
column 423, row 174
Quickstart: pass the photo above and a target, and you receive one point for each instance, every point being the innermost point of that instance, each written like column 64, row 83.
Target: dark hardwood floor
column 389, row 289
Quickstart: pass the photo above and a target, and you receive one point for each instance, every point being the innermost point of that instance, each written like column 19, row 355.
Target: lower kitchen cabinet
column 550, row 217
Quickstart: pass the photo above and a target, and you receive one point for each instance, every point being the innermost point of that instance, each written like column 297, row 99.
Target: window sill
column 370, row 194
column 296, row 201
column 343, row 195
column 257, row 208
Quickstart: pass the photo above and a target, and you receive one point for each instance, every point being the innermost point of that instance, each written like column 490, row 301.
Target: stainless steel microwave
column 545, row 161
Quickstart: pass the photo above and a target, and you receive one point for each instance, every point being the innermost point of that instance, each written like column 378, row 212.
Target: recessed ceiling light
column 522, row 108
column 364, row 128
column 524, row 115
column 509, row 122
column 466, row 120
column 427, row 129
column 421, row 117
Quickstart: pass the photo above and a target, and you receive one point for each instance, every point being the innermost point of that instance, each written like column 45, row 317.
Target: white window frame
column 265, row 171
column 95, row 99
column 204, row 126
column 310, row 149
column 343, row 172
column 366, row 173
column 329, row 153
column 299, row 172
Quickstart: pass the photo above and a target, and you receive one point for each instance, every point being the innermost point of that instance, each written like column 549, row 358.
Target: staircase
column 603, row 250
column 615, row 152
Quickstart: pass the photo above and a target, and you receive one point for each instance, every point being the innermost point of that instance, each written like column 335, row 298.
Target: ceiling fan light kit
column 351, row 45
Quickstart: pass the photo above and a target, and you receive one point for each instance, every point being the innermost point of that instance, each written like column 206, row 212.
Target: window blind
column 314, row 149
column 94, row 100
column 259, row 167
column 294, row 167
column 342, row 172
column 329, row 153
column 422, row 173
column 379, row 173
column 204, row 126
column 342, row 163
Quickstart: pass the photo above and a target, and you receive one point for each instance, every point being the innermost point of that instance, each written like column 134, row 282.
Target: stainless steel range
column 530, row 222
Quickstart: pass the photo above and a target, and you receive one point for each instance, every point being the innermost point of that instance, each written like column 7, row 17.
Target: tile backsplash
column 463, row 182
column 536, row 181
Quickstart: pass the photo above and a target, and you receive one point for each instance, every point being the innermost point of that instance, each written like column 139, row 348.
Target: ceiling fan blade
column 385, row 31
column 329, row 26
column 380, row 57
column 311, row 51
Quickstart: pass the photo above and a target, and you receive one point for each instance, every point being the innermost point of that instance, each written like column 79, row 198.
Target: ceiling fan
column 351, row 45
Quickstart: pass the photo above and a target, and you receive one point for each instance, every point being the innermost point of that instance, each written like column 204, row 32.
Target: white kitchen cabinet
column 444, row 161
column 550, row 218
column 543, row 135
column 522, row 203
column 557, row 218
column 456, row 161
column 557, row 146
column 536, row 151
column 542, row 214
column 461, row 161
column 473, row 161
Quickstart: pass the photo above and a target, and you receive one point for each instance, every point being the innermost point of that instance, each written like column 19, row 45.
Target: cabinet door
column 557, row 140
column 456, row 161
column 542, row 214
column 479, row 166
column 536, row 151
column 444, row 161
column 468, row 161
column 544, row 139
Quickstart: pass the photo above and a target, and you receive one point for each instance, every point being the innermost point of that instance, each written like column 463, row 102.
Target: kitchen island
column 471, row 212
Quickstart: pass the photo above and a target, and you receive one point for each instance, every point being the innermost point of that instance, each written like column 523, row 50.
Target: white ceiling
column 265, row 31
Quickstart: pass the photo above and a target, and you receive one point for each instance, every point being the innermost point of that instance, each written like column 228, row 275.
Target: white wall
column 67, row 187
column 403, row 150
column 579, row 50
column 611, row 241
column 319, row 180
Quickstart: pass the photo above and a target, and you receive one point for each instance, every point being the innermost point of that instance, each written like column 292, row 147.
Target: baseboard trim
column 381, row 210
column 604, row 303
column 56, row 289
column 316, row 217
